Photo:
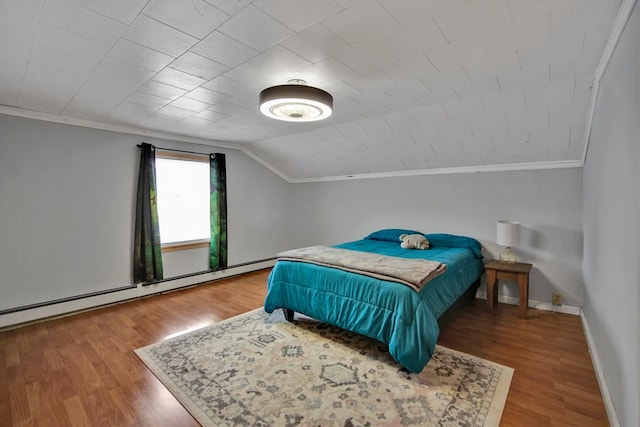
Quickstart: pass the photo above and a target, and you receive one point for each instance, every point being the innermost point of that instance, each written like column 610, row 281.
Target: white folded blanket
column 414, row 273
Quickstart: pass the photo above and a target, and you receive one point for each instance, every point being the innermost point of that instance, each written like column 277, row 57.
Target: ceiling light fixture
column 296, row 102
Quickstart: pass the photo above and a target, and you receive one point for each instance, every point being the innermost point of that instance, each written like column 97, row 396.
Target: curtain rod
column 179, row 151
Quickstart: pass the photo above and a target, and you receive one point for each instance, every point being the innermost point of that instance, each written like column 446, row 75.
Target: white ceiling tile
column 437, row 94
column 368, row 58
column 230, row 6
column 152, row 101
column 179, row 79
column 158, row 36
column 211, row 115
column 523, row 11
column 373, row 125
column 51, row 42
column 162, row 90
column 351, row 130
column 329, row 133
column 563, row 69
column 600, row 14
column 130, row 112
column 206, row 95
column 476, row 146
column 175, row 112
column 53, row 61
column 576, row 140
column 409, row 14
column 198, row 65
column 316, row 43
column 19, row 20
column 594, row 42
column 504, row 102
column 461, row 110
column 49, row 88
column 401, row 120
column 362, row 23
column 224, row 84
column 445, row 79
column 15, row 61
column 299, row 14
column 198, row 18
column 328, row 70
column 496, row 158
column 223, row 49
column 75, row 19
column 478, row 88
column 110, row 83
column 279, row 59
column 531, row 78
column 256, row 29
column 430, row 114
column 190, row 104
column 404, row 90
column 140, row 56
column 583, row 88
column 252, row 76
column 454, row 132
column 121, row 10
column 401, row 138
column 229, row 109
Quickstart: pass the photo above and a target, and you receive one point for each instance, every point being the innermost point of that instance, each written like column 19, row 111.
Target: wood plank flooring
column 81, row 370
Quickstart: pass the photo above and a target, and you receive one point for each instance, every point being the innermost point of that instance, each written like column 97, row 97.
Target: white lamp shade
column 508, row 233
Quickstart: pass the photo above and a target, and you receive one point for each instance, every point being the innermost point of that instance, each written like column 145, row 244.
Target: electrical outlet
column 556, row 298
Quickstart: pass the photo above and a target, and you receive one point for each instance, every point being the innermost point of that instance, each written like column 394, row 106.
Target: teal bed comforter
column 387, row 311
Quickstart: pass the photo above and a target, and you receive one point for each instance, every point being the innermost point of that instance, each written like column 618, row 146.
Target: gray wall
column 548, row 203
column 612, row 225
column 67, row 197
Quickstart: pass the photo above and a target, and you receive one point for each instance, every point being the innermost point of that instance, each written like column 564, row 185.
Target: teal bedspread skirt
column 387, row 311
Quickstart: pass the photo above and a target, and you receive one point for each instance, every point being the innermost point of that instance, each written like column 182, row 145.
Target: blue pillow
column 452, row 241
column 390, row 234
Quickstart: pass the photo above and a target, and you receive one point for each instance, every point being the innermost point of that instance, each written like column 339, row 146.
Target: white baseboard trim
column 604, row 389
column 68, row 307
column 567, row 309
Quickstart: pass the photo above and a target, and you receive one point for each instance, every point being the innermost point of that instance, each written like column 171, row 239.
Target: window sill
column 183, row 246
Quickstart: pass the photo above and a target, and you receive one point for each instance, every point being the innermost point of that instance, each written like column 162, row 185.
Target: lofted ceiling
column 418, row 85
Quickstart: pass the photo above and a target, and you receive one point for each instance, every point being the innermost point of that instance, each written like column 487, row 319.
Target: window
column 183, row 200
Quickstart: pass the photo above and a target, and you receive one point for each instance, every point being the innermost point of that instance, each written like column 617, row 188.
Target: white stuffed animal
column 414, row 241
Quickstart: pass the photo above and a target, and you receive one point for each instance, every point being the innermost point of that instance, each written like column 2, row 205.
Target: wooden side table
column 518, row 272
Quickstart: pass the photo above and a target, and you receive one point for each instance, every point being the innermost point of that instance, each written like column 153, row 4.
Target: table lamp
column 508, row 235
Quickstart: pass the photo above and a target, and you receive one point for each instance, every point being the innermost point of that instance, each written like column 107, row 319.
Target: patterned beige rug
column 259, row 370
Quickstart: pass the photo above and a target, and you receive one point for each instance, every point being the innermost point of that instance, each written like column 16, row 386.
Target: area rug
column 257, row 369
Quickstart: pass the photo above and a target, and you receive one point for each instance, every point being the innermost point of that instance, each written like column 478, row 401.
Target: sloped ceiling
column 418, row 85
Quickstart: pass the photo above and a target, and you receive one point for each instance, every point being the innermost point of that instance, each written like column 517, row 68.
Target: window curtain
column 218, row 211
column 147, row 251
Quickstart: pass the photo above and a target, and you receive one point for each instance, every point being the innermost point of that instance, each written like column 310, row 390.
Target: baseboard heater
column 132, row 286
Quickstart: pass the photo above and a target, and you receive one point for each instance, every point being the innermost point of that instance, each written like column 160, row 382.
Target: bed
column 395, row 314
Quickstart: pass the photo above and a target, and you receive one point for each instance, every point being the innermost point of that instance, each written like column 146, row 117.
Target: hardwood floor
column 81, row 371
column 554, row 382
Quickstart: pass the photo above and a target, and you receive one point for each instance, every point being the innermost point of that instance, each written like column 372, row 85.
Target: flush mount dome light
column 296, row 102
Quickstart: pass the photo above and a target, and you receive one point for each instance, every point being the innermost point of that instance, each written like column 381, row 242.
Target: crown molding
column 55, row 118
column 561, row 164
column 624, row 13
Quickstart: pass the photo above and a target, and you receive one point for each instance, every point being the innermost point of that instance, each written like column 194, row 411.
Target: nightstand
column 518, row 272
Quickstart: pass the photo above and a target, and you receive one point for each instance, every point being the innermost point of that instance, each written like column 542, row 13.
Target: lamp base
column 507, row 256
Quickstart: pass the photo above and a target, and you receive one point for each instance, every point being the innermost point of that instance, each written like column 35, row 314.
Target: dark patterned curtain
column 147, row 252
column 218, row 198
